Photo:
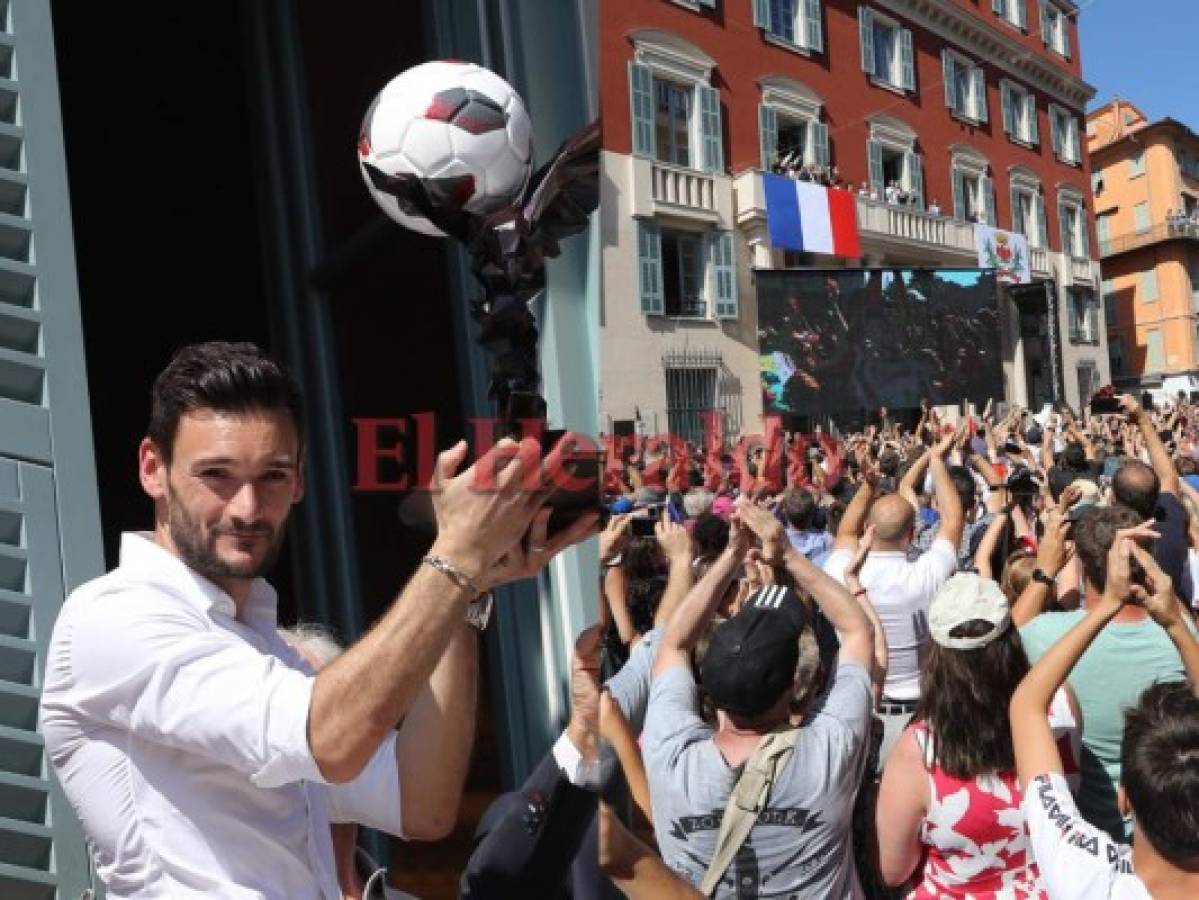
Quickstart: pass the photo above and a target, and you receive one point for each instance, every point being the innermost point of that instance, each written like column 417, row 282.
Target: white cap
column 966, row 597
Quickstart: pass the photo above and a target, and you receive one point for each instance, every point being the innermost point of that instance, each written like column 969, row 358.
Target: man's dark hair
column 799, row 508
column 1075, row 456
column 1159, row 769
column 711, row 535
column 1136, row 485
column 1093, row 535
column 963, row 483
column 224, row 378
column 888, row 463
column 959, row 693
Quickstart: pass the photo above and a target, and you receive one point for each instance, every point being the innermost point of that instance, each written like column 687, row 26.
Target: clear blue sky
column 1146, row 51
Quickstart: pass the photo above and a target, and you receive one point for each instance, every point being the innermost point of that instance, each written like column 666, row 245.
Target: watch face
column 478, row 613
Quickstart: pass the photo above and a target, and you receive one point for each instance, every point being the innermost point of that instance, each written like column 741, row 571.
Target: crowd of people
column 955, row 660
column 790, row 164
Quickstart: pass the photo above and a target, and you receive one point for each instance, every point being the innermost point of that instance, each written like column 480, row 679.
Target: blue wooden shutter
column 724, row 273
column 768, row 135
column 649, row 267
column 1042, row 222
column 947, row 72
column 1044, row 6
column 709, row 126
column 1055, row 131
column 762, row 14
column 998, row 6
column 50, row 539
column 907, row 60
column 874, row 152
column 978, row 86
column 1014, row 200
column 959, row 196
column 987, row 186
column 1062, row 230
column 1021, row 18
column 815, row 31
column 1084, row 233
column 912, row 164
column 819, row 133
column 1009, row 111
column 866, row 38
column 1034, row 129
column 641, row 105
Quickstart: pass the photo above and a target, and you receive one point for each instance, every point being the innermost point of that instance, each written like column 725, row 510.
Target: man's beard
column 200, row 553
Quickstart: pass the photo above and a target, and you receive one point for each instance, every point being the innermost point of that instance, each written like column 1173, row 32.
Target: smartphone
column 643, row 526
column 1104, row 405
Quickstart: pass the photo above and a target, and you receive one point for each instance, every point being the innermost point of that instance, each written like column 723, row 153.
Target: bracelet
column 451, row 571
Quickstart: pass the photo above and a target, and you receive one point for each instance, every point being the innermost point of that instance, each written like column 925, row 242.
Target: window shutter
column 1055, row 131
column 1014, row 199
column 762, row 14
column 709, row 123
column 1034, row 129
column 959, row 196
column 768, row 135
column 947, row 65
column 1009, row 112
column 907, row 60
column 815, row 35
column 1084, row 233
column 649, row 267
column 1044, row 6
column 978, row 81
column 711, row 4
column 1075, row 141
column 866, row 38
column 1065, row 37
column 1042, row 222
column 915, row 175
column 819, row 133
column 874, row 151
column 998, row 7
column 724, row 273
column 1021, row 17
column 641, row 103
column 987, row 186
column 1063, row 233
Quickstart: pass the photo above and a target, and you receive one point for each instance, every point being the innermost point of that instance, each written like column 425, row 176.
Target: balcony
column 1081, row 271
column 1038, row 260
column 686, row 188
column 649, row 188
column 1184, row 229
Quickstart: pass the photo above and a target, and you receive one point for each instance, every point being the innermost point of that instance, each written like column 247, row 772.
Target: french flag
column 810, row 217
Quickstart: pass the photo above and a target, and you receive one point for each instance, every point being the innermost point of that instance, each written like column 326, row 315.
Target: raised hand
column 673, row 538
column 1157, row 594
column 769, row 531
column 614, row 537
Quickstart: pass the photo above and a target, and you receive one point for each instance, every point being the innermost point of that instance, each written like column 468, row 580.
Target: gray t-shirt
column 630, row 686
column 801, row 845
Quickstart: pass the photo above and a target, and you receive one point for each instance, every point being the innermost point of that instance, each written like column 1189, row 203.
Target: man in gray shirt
column 800, row 845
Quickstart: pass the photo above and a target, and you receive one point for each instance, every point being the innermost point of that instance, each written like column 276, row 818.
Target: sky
column 1143, row 51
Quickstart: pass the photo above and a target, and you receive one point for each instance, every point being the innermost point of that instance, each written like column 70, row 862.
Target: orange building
column 1145, row 179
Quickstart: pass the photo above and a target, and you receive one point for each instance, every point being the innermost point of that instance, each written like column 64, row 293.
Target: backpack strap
column 747, row 800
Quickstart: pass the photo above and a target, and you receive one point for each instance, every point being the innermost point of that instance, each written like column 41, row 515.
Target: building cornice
column 980, row 38
column 1136, row 137
column 672, row 55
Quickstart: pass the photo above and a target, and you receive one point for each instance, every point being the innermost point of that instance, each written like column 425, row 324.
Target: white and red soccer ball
column 458, row 127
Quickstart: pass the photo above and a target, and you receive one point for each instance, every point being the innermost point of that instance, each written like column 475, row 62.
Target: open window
column 794, row 23
column 1028, row 207
column 1054, row 29
column 1019, row 113
column 894, row 162
column 973, row 189
column 887, row 54
column 1064, row 129
column 965, row 86
column 789, row 125
column 1073, row 221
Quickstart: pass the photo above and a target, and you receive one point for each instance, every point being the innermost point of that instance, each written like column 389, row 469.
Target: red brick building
column 974, row 108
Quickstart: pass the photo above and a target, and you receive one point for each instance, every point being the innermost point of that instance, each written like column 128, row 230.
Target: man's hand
column 1157, row 596
column 673, row 539
column 1118, row 588
column 613, row 538
column 758, row 573
column 1131, row 408
column 854, row 567
column 1071, row 495
column 945, row 442
column 528, row 557
column 1054, row 552
column 770, row 533
column 583, row 729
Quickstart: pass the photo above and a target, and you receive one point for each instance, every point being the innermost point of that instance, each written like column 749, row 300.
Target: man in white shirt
column 201, row 758
column 900, row 591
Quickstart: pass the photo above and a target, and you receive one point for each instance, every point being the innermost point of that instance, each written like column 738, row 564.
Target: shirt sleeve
column 1076, row 859
column 835, row 563
column 850, row 700
column 373, row 798
column 140, row 661
column 672, row 722
column 934, row 567
column 630, row 686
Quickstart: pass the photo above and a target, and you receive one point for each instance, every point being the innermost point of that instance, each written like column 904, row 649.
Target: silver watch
column 478, row 612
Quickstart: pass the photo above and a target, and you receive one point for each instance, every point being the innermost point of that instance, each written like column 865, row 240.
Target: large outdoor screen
column 840, row 343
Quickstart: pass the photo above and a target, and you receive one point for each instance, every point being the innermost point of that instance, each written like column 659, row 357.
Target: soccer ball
column 461, row 129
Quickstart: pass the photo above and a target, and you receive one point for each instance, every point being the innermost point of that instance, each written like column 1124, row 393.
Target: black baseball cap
column 751, row 658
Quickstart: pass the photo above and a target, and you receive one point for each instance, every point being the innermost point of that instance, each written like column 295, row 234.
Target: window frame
column 698, row 238
column 895, row 80
column 1059, row 39
column 1020, row 97
column 966, row 163
column 1161, row 346
column 791, row 100
column 1063, row 123
column 1076, row 204
column 976, row 110
column 1024, row 183
column 1006, row 14
column 1136, row 164
column 693, row 140
column 805, row 40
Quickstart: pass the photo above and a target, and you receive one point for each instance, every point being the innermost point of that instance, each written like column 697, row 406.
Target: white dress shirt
column 901, row 592
column 180, row 737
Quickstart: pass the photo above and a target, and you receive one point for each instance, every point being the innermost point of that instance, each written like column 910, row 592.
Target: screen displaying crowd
column 842, row 342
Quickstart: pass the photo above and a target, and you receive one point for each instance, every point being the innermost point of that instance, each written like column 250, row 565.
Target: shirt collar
column 142, row 557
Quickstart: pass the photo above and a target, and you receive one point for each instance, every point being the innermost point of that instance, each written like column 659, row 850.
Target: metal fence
column 698, row 383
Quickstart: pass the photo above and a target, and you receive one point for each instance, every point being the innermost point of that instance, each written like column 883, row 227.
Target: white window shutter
column 641, row 104
column 874, row 153
column 768, row 135
column 959, row 196
column 724, row 273
column 915, row 175
column 1045, row 25
column 978, row 82
column 1021, row 17
column 819, row 133
column 649, row 267
column 1042, row 221
column 762, row 14
column 947, row 66
column 710, row 133
column 907, row 60
column 866, row 37
column 1009, row 112
column 1034, row 129
column 815, row 30
column 988, row 188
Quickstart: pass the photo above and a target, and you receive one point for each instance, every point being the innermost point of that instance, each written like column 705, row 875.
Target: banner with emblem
column 1004, row 251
